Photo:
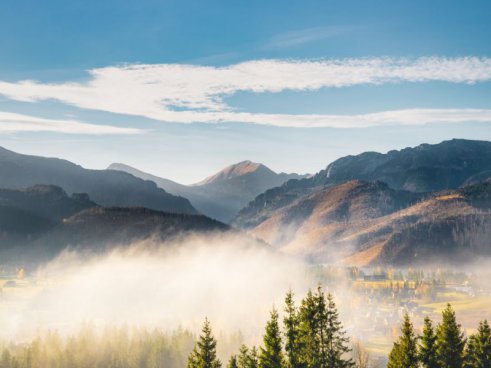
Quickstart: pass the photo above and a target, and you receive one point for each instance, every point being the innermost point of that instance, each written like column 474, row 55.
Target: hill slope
column 105, row 187
column 221, row 195
column 27, row 213
column 367, row 223
column 48, row 201
column 100, row 228
column 37, row 223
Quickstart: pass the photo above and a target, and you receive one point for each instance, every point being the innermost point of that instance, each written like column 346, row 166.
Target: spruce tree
column 253, row 358
column 404, row 352
column 291, row 323
column 204, row 353
column 427, row 346
column 308, row 342
column 232, row 363
column 450, row 341
column 321, row 338
column 395, row 357
column 243, row 358
column 335, row 336
column 478, row 352
column 272, row 354
column 247, row 358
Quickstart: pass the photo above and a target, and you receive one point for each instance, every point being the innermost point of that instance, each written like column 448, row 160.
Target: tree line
column 312, row 337
column 443, row 346
column 113, row 348
column 309, row 335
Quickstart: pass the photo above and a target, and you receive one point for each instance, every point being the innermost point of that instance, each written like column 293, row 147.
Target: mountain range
column 105, row 187
column 383, row 208
column 407, row 207
column 223, row 194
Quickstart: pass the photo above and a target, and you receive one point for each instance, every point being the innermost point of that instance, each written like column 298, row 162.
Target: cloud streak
column 17, row 123
column 182, row 93
column 308, row 35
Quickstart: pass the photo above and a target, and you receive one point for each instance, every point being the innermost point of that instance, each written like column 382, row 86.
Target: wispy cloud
column 189, row 93
column 15, row 123
column 304, row 36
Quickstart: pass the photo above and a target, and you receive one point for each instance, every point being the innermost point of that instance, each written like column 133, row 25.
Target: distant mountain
column 105, row 187
column 368, row 223
column 222, row 195
column 240, row 169
column 425, row 168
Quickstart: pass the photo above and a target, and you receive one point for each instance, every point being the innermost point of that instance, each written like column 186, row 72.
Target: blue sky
column 292, row 84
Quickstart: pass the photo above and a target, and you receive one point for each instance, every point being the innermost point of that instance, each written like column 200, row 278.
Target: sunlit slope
column 368, row 223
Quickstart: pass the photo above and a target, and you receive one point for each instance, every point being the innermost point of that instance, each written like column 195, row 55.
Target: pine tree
column 243, row 358
column 450, row 341
column 204, row 353
column 321, row 338
column 232, row 363
column 253, row 358
column 404, row 353
column 334, row 335
column 478, row 352
column 247, row 358
column 308, row 342
column 272, row 354
column 291, row 323
column 395, row 357
column 427, row 347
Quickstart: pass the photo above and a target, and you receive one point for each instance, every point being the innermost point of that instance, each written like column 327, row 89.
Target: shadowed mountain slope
column 26, row 237
column 105, row 187
column 101, row 228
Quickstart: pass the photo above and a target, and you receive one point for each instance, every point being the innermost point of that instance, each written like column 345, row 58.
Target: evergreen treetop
column 450, row 341
column 272, row 352
column 404, row 352
column 427, row 345
column 204, row 354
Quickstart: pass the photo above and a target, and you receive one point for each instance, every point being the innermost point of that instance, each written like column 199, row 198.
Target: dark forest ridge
column 39, row 222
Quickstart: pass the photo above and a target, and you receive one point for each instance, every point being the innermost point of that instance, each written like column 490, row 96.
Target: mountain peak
column 118, row 166
column 235, row 170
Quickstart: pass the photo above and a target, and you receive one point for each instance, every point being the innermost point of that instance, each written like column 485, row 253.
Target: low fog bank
column 234, row 281
column 231, row 280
